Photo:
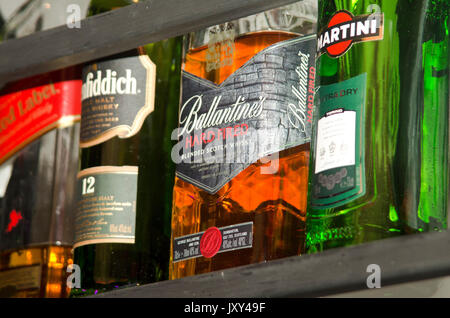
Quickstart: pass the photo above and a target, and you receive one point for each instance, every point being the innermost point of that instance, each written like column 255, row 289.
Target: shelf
column 412, row 259
column 428, row 288
column 117, row 31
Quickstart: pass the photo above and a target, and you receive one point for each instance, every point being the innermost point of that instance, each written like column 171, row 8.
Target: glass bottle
column 125, row 165
column 249, row 204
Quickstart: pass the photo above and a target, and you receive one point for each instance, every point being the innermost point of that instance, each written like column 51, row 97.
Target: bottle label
column 106, row 211
column 117, row 96
column 339, row 175
column 212, row 241
column 344, row 29
column 27, row 114
column 22, row 278
column 261, row 109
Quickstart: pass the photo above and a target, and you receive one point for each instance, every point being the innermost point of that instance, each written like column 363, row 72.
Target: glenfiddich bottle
column 380, row 126
column 243, row 141
column 129, row 109
column 39, row 133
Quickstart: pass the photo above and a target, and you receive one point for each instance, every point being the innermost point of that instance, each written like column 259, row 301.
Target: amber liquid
column 42, row 269
column 33, row 261
column 275, row 203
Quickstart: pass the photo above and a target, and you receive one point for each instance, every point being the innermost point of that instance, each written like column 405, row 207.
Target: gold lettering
column 124, row 228
column 46, row 92
column 113, row 228
column 53, row 89
column 8, row 120
column 29, row 105
column 37, row 97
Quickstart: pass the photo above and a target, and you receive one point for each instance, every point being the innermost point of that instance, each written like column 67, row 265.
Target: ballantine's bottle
column 129, row 109
column 368, row 123
column 248, row 92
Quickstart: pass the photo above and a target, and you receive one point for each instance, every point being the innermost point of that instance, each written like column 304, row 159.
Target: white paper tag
column 336, row 141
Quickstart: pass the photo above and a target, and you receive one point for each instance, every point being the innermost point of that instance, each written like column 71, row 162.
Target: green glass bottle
column 366, row 126
column 421, row 159
column 129, row 110
column 430, row 213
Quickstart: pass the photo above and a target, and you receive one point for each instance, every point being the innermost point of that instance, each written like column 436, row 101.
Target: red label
column 344, row 29
column 210, row 242
column 339, row 48
column 28, row 114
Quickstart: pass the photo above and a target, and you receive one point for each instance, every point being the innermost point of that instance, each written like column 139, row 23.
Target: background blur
column 39, row 14
column 7, row 7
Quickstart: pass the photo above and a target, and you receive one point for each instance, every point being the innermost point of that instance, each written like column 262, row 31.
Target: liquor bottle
column 39, row 134
column 129, row 109
column 424, row 200
column 243, row 141
column 38, row 142
column 367, row 121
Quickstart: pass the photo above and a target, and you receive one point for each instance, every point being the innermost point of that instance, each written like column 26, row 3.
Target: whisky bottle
column 39, row 134
column 243, row 141
column 39, row 147
column 129, row 109
column 364, row 177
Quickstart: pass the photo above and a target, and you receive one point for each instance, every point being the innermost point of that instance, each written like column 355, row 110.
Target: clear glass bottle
column 236, row 212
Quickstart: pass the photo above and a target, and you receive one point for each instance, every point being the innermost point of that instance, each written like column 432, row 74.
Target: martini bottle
column 366, row 131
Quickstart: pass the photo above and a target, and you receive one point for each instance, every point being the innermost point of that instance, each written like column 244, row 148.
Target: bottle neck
column 102, row 6
column 293, row 18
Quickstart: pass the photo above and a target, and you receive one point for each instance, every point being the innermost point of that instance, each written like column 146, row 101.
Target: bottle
column 367, row 122
column 243, row 141
column 424, row 200
column 129, row 109
column 39, row 135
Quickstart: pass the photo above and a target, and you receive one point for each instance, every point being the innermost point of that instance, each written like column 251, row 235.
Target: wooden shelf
column 412, row 259
column 117, row 31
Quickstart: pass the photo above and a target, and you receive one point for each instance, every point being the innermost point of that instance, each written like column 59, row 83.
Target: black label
column 261, row 109
column 117, row 96
column 106, row 211
column 212, row 241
